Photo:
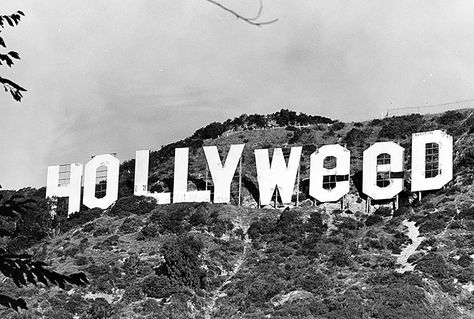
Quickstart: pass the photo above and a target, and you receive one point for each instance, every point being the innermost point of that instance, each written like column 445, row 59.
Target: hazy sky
column 118, row 76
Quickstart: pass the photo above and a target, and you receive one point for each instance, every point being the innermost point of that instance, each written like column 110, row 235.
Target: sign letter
column 142, row 159
column 329, row 184
column 72, row 190
column 432, row 160
column 383, row 170
column 180, row 187
column 278, row 174
column 222, row 175
column 90, row 174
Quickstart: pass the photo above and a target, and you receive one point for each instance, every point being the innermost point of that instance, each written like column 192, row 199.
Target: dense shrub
column 34, row 224
column 466, row 213
column 108, row 243
column 138, row 205
column 465, row 261
column 375, row 122
column 401, row 211
column 97, row 271
column 436, row 221
column 133, row 292
column 99, row 309
column 466, row 275
column 80, row 218
column 400, row 127
column 433, row 264
column 130, row 225
column 398, row 301
column 383, row 211
column 341, row 258
column 356, row 137
column 259, row 228
column 450, row 118
column 315, row 282
column 82, row 261
column 101, row 231
column 373, row 219
column 150, row 230
column 431, row 225
column 296, row 136
column 158, row 286
column 171, row 219
column 182, row 265
column 211, row 131
column 338, row 126
column 347, row 223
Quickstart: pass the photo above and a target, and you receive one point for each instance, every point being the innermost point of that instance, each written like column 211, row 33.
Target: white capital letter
column 72, row 190
column 222, row 175
column 141, row 178
column 277, row 175
column 90, row 172
column 180, row 187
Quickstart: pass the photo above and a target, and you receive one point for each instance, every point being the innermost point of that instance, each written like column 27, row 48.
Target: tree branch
column 249, row 20
column 14, row 89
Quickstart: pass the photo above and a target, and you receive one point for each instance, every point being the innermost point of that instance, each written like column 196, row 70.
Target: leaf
column 9, row 20
column 6, row 59
column 13, row 303
column 16, row 18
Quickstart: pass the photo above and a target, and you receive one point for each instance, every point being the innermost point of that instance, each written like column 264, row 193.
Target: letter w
column 278, row 174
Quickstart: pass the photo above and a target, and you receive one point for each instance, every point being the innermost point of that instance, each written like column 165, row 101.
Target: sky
column 124, row 75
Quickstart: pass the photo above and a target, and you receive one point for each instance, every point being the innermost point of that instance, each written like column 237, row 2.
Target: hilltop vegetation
column 202, row 260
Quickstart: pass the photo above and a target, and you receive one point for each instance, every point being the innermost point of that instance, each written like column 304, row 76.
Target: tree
column 9, row 57
column 21, row 268
column 250, row 20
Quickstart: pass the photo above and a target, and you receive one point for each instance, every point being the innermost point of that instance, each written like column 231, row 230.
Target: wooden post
column 298, row 187
column 240, row 181
column 206, row 174
column 276, row 196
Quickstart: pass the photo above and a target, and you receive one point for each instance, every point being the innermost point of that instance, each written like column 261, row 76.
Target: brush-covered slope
column 202, row 260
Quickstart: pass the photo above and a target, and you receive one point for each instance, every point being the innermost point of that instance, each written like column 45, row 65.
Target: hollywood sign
column 431, row 151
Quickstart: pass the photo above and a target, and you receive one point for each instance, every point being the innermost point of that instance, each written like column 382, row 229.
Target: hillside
column 202, row 260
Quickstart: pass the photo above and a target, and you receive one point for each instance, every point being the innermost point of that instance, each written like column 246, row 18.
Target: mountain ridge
column 203, row 260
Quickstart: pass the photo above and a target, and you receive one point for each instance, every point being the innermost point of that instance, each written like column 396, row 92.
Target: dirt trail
column 240, row 261
column 408, row 251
